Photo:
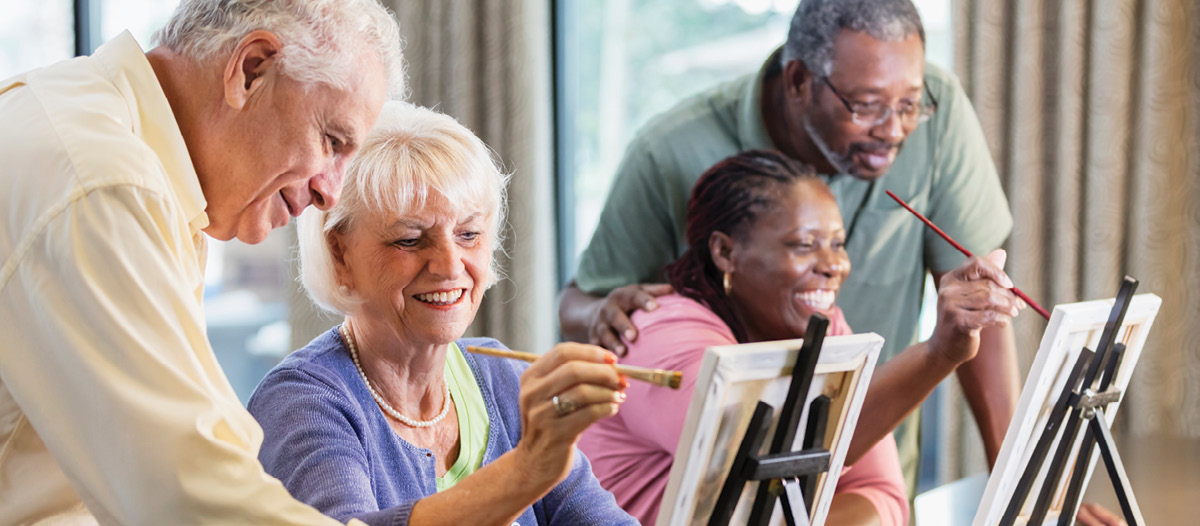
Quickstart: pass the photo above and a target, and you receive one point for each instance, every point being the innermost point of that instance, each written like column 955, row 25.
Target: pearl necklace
column 387, row 408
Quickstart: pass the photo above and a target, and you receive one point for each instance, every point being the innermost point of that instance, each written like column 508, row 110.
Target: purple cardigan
column 331, row 446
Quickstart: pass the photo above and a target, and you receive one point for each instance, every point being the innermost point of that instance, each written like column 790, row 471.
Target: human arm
column 107, row 357
column 605, row 320
column 971, row 298
column 852, row 509
column 871, row 491
column 991, row 385
column 580, row 499
column 320, row 441
column 545, row 456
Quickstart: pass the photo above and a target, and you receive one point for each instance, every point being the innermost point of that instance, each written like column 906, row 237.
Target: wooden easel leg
column 1042, row 448
column 1075, row 484
column 1116, row 470
column 1087, row 446
column 795, row 511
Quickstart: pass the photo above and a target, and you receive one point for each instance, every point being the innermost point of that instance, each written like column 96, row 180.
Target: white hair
column 411, row 155
column 324, row 41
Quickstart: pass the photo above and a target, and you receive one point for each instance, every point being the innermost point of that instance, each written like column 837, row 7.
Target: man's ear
column 249, row 66
column 720, row 246
column 798, row 82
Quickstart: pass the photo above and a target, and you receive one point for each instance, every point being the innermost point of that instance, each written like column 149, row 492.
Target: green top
column 943, row 170
column 472, row 418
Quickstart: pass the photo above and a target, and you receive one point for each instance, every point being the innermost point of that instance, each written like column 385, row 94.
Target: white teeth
column 819, row 299
column 441, row 297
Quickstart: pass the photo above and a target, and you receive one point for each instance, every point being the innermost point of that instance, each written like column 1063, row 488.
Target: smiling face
column 865, row 70
column 420, row 275
column 789, row 263
column 279, row 145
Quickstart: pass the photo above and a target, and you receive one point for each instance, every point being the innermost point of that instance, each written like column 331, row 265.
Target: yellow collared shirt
column 113, row 408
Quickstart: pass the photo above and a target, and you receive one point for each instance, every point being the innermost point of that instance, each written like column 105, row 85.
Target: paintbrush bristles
column 659, row 377
column 674, row 379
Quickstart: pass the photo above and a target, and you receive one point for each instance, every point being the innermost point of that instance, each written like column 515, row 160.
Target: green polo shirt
column 944, row 170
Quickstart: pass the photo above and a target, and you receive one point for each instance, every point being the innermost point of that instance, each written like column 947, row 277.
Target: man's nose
column 326, row 187
column 891, row 129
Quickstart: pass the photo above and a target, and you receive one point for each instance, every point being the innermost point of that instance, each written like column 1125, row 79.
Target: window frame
column 563, row 121
column 87, row 26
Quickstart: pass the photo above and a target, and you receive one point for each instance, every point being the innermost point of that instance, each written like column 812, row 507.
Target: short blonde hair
column 411, row 154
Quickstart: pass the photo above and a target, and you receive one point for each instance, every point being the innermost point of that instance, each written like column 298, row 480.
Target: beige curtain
column 1090, row 109
column 487, row 64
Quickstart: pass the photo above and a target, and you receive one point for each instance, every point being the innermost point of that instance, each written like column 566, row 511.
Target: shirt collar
column 752, row 130
column 154, row 121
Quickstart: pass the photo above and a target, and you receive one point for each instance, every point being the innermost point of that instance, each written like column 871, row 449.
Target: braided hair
column 728, row 198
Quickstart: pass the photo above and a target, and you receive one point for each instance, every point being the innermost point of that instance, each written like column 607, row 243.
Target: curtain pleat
column 1090, row 109
column 487, row 64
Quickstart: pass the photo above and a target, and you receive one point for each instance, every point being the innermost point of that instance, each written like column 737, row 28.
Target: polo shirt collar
column 153, row 120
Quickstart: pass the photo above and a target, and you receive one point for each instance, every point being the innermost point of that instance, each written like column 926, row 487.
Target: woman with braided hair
column 766, row 252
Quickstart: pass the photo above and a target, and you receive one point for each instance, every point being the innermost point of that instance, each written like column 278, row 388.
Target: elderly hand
column 611, row 319
column 562, row 393
column 971, row 297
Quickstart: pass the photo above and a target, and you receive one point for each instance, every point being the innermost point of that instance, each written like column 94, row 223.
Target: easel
column 787, row 475
column 1086, row 395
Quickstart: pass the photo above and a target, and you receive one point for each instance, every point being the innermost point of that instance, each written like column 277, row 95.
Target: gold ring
column 563, row 405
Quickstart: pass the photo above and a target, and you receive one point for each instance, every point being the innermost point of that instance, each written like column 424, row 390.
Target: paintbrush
column 960, row 248
column 658, row 377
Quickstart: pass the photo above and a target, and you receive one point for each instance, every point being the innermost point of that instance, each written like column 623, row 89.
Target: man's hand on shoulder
column 604, row 320
column 610, row 320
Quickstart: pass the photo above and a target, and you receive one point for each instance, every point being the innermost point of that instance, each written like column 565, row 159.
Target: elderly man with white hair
column 113, row 409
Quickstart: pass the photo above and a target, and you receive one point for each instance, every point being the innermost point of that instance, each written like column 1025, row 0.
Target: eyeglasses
column 876, row 113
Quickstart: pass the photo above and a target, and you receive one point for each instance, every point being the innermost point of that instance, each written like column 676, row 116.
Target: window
column 621, row 62
column 141, row 17
column 34, row 34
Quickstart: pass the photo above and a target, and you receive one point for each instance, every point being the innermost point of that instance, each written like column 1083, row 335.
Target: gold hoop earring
column 727, row 283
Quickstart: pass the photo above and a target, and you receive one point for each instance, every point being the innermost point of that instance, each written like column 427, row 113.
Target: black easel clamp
column 1091, row 400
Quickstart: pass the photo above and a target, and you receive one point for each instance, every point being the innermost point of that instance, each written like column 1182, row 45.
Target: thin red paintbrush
column 960, row 248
